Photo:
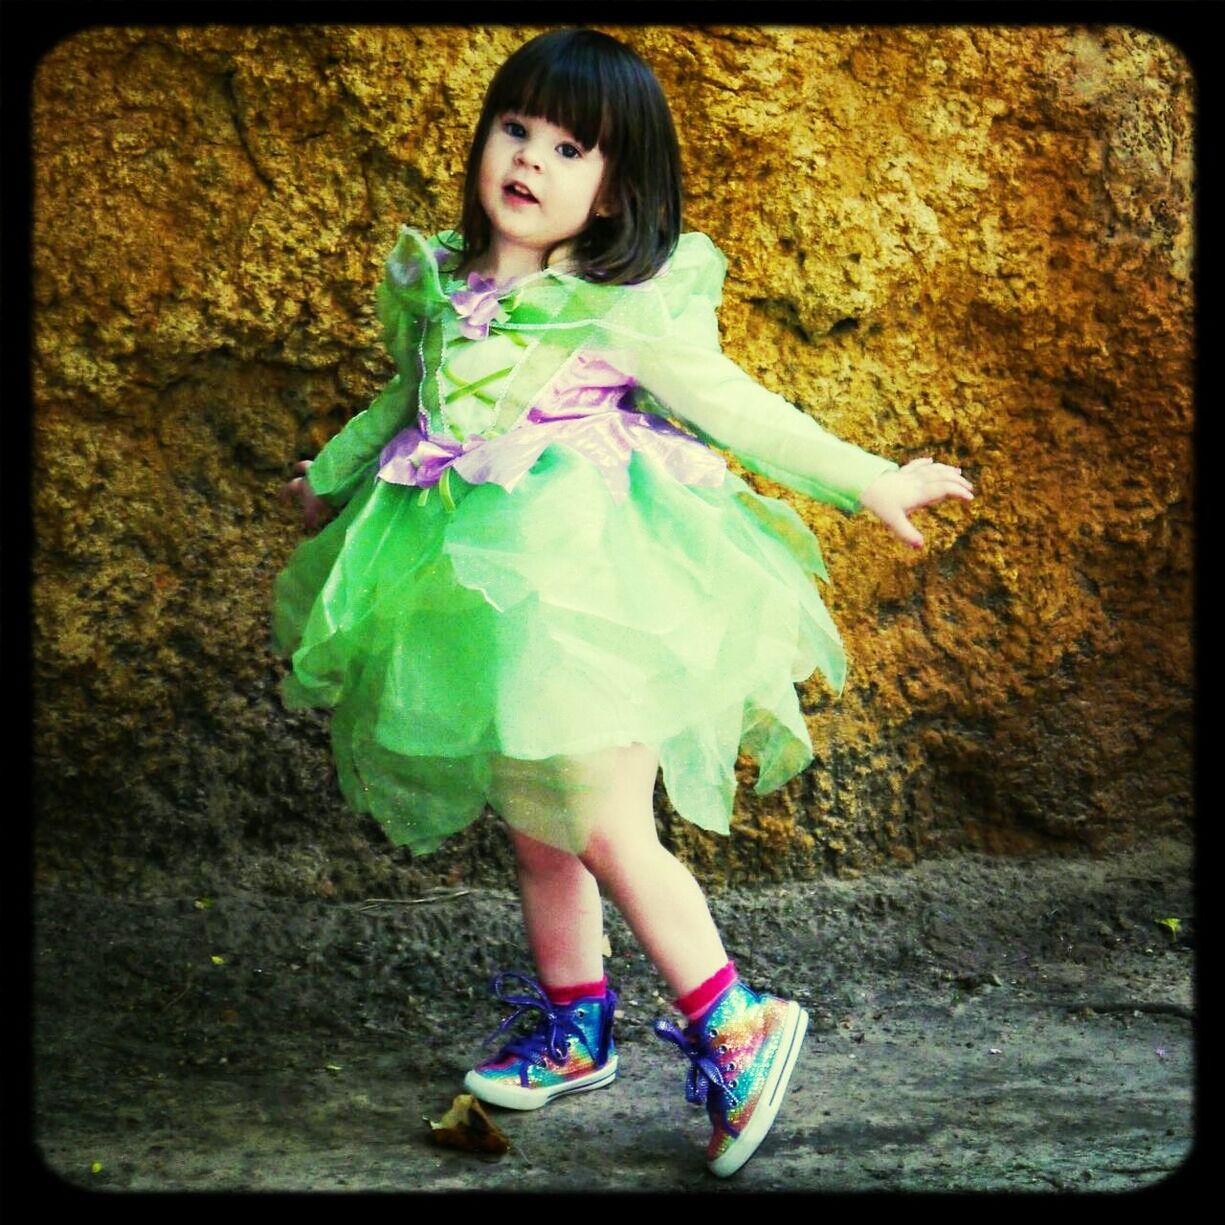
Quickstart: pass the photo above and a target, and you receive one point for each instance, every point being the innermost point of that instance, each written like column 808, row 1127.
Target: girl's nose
column 527, row 155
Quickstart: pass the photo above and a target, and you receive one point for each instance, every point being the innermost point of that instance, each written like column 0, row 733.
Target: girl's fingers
column 954, row 486
column 926, row 493
column 943, row 482
column 897, row 522
column 933, row 469
column 942, row 472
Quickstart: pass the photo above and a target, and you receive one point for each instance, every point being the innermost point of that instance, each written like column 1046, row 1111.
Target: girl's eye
column 513, row 128
column 568, row 150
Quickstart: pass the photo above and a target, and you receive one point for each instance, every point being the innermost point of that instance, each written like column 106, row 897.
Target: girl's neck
column 505, row 263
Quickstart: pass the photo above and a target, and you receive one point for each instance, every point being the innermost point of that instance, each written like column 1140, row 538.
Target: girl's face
column 538, row 187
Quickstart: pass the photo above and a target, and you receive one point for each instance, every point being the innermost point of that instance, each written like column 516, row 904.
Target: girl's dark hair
column 599, row 90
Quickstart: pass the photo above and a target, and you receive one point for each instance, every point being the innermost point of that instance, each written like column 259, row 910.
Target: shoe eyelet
column 723, row 1049
column 731, row 1067
column 580, row 1013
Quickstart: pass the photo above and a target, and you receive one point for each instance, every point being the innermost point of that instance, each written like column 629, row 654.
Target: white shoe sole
column 795, row 1024
column 517, row 1097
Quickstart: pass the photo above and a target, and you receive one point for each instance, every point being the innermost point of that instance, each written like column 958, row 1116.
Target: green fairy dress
column 538, row 554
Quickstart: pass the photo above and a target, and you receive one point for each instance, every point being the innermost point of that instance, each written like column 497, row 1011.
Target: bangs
column 568, row 90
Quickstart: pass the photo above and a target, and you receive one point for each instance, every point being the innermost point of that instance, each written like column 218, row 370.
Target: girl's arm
column 697, row 383
column 348, row 459
column 326, row 483
column 344, row 462
column 765, row 432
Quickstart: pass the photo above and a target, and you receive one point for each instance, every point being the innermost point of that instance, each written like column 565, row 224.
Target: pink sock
column 579, row 991
column 699, row 1000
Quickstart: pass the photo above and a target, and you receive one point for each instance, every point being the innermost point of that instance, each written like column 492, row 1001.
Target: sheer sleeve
column 691, row 379
column 347, row 458
column 350, row 455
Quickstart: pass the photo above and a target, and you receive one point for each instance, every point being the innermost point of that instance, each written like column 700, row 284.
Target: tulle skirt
column 549, row 623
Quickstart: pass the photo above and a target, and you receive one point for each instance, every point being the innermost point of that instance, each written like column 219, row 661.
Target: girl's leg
column 561, row 913
column 570, row 1048
column 656, row 894
column 603, row 803
column 752, row 1040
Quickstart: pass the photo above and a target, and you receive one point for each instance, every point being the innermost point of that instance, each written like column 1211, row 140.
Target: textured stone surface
column 967, row 242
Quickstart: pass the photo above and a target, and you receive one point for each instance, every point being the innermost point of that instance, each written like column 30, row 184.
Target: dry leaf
column 466, row 1126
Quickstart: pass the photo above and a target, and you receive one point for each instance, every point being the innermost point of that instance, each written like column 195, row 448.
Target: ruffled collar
column 422, row 282
column 423, row 271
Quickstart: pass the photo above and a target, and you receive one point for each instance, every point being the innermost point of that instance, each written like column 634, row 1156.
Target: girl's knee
column 540, row 859
column 608, row 855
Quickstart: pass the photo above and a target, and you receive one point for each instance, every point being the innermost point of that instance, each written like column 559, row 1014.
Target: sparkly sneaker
column 741, row 1055
column 569, row 1050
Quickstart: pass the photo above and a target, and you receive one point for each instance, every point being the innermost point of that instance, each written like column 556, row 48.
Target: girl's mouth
column 518, row 192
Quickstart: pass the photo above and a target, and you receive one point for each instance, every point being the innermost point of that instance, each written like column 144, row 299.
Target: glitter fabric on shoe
column 570, row 1049
column 741, row 1055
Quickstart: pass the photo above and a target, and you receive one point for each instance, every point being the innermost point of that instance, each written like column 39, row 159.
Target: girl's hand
column 315, row 511
column 920, row 483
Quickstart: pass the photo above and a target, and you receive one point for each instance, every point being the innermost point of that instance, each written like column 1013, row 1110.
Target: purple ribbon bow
column 477, row 306
column 414, row 457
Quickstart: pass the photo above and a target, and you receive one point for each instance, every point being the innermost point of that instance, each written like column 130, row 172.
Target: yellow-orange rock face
column 972, row 243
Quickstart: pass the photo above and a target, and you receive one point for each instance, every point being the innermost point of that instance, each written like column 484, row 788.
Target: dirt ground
column 977, row 1025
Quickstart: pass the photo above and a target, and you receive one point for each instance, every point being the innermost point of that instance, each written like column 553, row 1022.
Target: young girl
column 543, row 585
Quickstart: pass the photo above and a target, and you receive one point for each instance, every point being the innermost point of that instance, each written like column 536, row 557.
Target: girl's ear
column 606, row 204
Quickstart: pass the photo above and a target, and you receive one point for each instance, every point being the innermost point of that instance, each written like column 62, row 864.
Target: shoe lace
column 704, row 1076
column 556, row 1025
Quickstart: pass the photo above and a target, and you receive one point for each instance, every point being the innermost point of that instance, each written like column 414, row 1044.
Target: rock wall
column 968, row 242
